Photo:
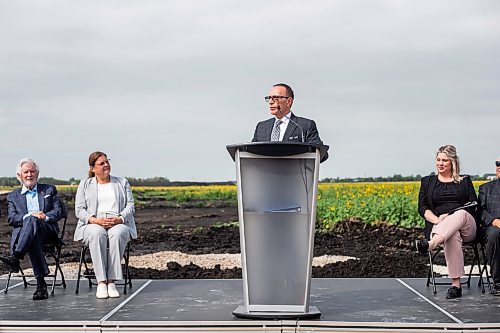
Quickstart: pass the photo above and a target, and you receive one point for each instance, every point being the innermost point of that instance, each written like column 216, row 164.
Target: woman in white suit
column 104, row 207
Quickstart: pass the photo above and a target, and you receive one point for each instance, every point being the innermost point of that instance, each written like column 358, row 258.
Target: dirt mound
column 382, row 250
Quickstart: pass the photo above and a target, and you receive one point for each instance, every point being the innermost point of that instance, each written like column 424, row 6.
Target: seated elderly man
column 33, row 212
column 489, row 205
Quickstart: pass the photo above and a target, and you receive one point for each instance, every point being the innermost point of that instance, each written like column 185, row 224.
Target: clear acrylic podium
column 277, row 194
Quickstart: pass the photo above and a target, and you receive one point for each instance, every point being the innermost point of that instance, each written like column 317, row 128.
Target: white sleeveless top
column 106, row 201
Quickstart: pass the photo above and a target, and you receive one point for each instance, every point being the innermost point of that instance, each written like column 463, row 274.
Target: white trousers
column 106, row 260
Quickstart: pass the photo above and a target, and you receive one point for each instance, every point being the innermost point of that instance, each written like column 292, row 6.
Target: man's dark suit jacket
column 17, row 208
column 427, row 184
column 292, row 134
column 489, row 202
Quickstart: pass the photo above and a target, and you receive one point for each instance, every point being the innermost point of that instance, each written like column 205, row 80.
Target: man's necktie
column 275, row 135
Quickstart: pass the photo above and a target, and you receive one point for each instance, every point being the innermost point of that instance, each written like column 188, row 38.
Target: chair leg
column 79, row 271
column 474, row 260
column 477, row 258
column 431, row 267
column 86, row 272
column 127, row 270
column 83, row 263
column 58, row 266
column 25, row 282
column 63, row 280
column 54, row 282
column 7, row 284
column 485, row 267
column 429, row 275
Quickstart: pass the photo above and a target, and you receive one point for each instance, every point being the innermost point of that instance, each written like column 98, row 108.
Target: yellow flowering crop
column 392, row 202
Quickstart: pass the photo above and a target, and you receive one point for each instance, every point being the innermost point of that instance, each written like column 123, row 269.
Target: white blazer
column 86, row 204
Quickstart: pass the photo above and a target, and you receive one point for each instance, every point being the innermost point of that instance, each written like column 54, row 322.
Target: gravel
column 159, row 261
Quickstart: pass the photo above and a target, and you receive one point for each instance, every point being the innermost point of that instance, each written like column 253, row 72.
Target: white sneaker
column 112, row 292
column 102, row 291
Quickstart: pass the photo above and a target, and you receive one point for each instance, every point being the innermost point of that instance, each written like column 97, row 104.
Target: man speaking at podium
column 285, row 126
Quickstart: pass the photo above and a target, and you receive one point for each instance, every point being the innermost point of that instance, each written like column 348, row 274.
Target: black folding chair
column 483, row 269
column 53, row 250
column 89, row 274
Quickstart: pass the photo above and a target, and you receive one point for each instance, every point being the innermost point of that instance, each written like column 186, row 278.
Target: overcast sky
column 164, row 86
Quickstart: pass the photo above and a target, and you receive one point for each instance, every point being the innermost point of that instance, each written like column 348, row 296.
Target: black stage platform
column 347, row 305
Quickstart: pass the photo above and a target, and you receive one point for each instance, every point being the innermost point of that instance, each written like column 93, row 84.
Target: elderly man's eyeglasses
column 274, row 98
column 497, row 163
column 103, row 163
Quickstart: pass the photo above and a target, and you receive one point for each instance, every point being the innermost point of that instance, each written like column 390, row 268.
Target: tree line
column 395, row 178
column 163, row 181
column 154, row 181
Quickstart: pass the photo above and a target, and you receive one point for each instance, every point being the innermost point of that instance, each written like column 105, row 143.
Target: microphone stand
column 290, row 119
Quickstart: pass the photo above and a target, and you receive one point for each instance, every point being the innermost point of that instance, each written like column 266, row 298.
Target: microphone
column 290, row 119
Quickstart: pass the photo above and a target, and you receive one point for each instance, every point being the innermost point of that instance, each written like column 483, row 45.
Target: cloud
column 164, row 86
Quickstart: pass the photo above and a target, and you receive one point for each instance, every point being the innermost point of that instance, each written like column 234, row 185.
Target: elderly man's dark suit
column 293, row 133
column 489, row 205
column 30, row 233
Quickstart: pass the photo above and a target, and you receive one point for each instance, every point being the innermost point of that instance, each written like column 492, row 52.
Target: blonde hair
column 451, row 152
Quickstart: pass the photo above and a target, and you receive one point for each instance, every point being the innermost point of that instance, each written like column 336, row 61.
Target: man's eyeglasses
column 103, row 163
column 497, row 163
column 274, row 98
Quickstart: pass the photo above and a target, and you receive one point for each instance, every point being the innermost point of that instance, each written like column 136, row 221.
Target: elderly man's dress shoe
column 41, row 291
column 454, row 292
column 11, row 263
column 422, row 246
column 495, row 291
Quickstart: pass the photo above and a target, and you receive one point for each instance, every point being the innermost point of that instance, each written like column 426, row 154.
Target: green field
column 391, row 202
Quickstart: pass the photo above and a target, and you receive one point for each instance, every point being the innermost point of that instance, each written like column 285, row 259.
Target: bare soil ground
column 383, row 250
